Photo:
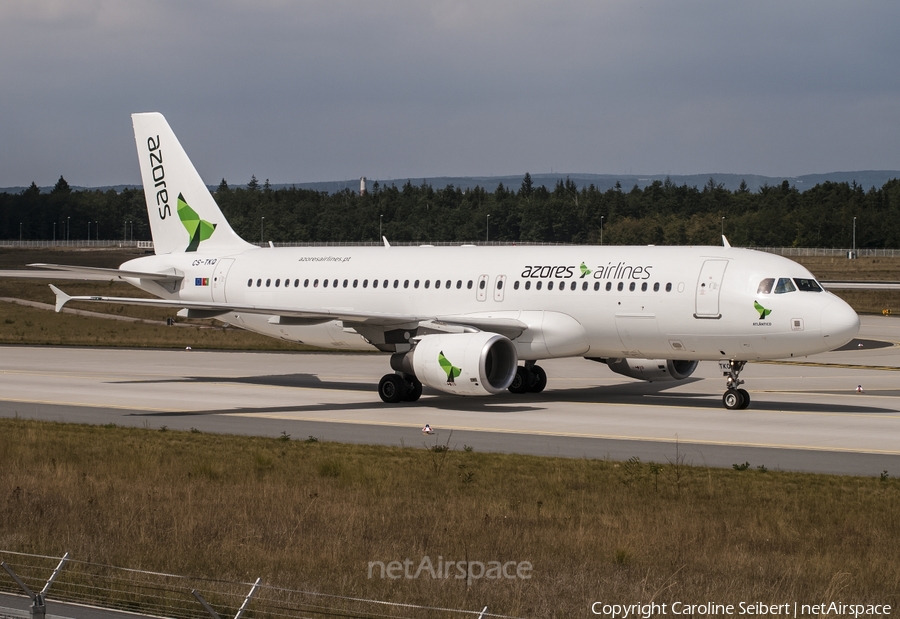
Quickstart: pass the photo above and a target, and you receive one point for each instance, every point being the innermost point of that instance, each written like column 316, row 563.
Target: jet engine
column 478, row 363
column 652, row 369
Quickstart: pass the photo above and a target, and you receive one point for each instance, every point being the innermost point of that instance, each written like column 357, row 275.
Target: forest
column 661, row 214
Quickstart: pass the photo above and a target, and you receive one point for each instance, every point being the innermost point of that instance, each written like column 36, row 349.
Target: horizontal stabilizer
column 94, row 272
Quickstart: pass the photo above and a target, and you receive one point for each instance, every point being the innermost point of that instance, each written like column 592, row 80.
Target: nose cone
column 840, row 324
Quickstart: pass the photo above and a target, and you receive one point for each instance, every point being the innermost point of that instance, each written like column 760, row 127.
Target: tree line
column 661, row 213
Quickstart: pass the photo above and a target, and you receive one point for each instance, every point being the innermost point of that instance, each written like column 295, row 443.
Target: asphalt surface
column 805, row 415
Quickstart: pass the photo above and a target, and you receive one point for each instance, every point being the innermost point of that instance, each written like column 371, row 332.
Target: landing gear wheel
column 413, row 389
column 391, row 388
column 520, row 381
column 538, row 379
column 733, row 399
column 746, row 398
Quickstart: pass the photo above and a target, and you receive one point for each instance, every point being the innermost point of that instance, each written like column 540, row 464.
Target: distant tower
column 362, row 185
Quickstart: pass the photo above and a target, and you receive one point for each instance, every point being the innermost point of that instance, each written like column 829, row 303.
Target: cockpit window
column 783, row 285
column 807, row 285
column 765, row 286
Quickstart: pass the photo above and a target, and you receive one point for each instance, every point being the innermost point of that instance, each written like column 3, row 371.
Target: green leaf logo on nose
column 198, row 229
column 763, row 312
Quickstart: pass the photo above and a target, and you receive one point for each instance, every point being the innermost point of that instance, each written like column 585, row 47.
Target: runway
column 805, row 415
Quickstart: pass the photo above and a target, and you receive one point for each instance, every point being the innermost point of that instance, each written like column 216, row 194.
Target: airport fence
column 182, row 597
column 782, row 251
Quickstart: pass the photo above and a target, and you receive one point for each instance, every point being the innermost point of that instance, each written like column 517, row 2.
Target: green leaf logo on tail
column 198, row 229
column 452, row 370
column 763, row 312
column 584, row 270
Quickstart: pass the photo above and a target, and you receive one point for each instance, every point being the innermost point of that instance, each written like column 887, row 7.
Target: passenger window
column 620, row 286
column 516, row 285
column 287, row 283
column 277, row 283
column 807, row 285
column 406, row 283
column 384, row 284
column 572, row 287
column 631, row 287
column 334, row 283
column 427, row 283
column 499, row 284
column 365, row 283
column 296, row 283
column 249, row 282
column 482, row 284
column 784, row 285
column 469, row 285
column 324, row 283
column 458, row 284
column 437, row 284
column 608, row 286
column 345, row 283
column 447, row 285
column 537, row 286
column 355, row 282
column 584, row 286
column 268, row 283
column 549, row 285
column 765, row 286
column 416, row 284
column 306, row 283
column 644, row 287
column 669, row 287
column 315, row 283
column 374, row 283
column 656, row 287
column 596, row 285
column 396, row 283
column 527, row 285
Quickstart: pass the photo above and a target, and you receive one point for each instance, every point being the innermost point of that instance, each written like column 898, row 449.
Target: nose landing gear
column 734, row 398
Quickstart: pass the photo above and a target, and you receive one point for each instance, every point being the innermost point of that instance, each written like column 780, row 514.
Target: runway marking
column 579, row 435
column 92, row 405
column 845, row 366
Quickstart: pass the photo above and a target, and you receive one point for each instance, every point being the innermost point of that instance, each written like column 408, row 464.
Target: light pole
column 723, row 225
column 20, row 231
column 487, row 229
column 132, row 229
column 54, row 232
column 601, row 229
column 67, row 229
column 125, row 231
column 97, row 226
column 854, row 237
column 262, row 230
column 89, row 231
column 380, row 221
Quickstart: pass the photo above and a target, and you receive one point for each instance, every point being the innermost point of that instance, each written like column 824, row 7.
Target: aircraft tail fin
column 184, row 217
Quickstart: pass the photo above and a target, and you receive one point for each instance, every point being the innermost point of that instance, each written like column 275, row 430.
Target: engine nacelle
column 652, row 369
column 462, row 363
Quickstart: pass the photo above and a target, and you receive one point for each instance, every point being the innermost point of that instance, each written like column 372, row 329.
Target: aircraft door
column 481, row 289
column 708, row 288
column 218, row 282
column 499, row 285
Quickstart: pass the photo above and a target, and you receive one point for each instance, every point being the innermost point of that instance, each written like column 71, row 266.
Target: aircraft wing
column 510, row 327
column 95, row 272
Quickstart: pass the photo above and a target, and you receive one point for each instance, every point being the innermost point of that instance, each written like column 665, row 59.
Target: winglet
column 725, row 242
column 386, row 244
column 61, row 297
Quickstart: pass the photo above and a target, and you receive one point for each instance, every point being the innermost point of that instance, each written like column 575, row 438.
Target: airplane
column 474, row 320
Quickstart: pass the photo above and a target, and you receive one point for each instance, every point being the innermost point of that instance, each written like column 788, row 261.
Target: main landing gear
column 529, row 378
column 734, row 397
column 394, row 388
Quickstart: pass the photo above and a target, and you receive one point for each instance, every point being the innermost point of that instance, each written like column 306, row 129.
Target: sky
column 301, row 92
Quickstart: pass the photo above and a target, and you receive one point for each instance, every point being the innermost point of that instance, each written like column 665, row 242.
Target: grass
column 312, row 515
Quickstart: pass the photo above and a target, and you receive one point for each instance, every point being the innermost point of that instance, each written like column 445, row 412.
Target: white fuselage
column 611, row 301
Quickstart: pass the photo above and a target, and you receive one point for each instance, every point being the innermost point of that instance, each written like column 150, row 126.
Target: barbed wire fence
column 184, row 597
